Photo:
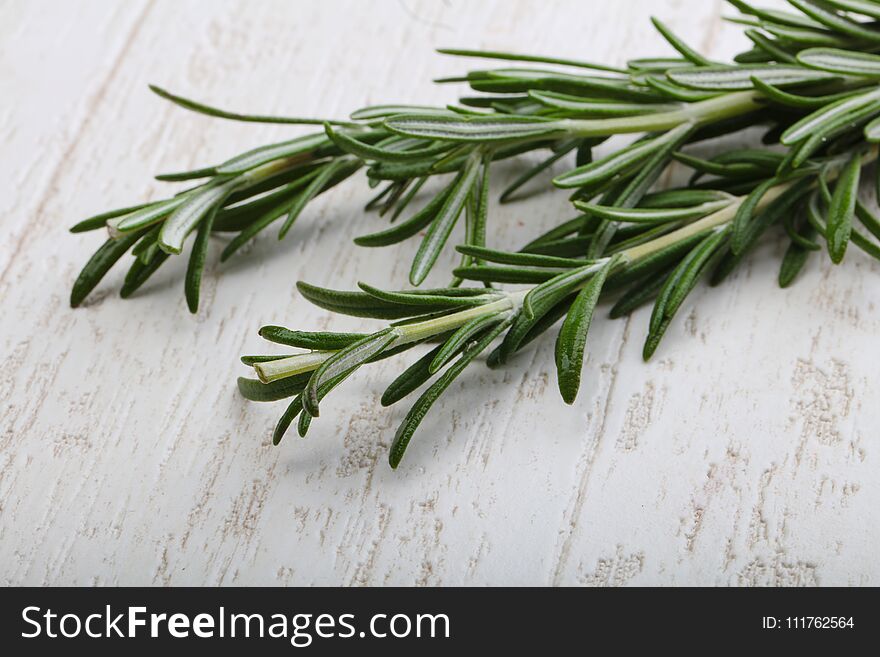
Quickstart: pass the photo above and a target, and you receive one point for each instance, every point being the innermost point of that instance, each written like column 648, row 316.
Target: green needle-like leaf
column 256, row 390
column 235, row 116
column 196, row 264
column 835, row 21
column 842, row 209
column 99, row 264
column 190, row 213
column 745, row 212
column 739, row 78
column 845, row 62
column 314, row 188
column 572, row 338
column 418, row 411
column 443, row 223
column 818, row 120
column 474, row 129
column 345, row 361
column 460, row 338
column 686, row 51
column 681, row 281
column 652, row 215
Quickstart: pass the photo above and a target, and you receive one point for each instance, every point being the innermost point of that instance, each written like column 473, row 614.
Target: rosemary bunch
column 810, row 83
column 819, row 106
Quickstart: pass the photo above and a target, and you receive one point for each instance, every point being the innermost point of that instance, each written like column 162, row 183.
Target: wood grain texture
column 743, row 454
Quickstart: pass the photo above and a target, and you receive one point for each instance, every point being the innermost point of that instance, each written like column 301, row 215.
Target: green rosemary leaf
column 842, row 208
column 686, row 51
column 771, row 47
column 182, row 176
column 356, row 304
column 715, row 168
column 196, row 264
column 777, row 209
column 411, row 226
column 474, row 129
column 581, row 107
column 540, row 298
column 795, row 257
column 234, row 116
column 461, row 337
column 300, row 148
column 868, row 219
column 256, row 390
column 657, row 261
column 443, row 223
column 345, row 361
column 678, row 285
column 819, row 120
column 864, row 7
column 744, row 215
column 140, row 271
column 375, row 112
column 269, row 216
column 520, row 259
column 315, row 187
column 99, row 264
column 677, row 92
column 609, row 166
column 652, row 215
column 794, row 100
column 530, row 173
column 514, row 57
column 369, row 152
column 845, row 62
column 100, row 220
column 293, row 410
column 305, row 419
column 426, row 302
column 190, row 213
column 775, row 15
column 418, row 411
column 572, row 338
column 799, row 239
column 562, row 230
column 739, row 78
column 839, row 125
column 147, row 245
column 678, row 198
column 872, row 131
column 147, row 215
column 640, row 293
column 492, row 274
column 569, row 247
column 481, row 216
column 319, row 340
column 250, row 361
column 836, row 22
column 407, row 198
column 410, row 379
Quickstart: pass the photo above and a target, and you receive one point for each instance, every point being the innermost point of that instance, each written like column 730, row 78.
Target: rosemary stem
column 704, row 111
column 722, row 217
column 280, row 369
column 512, row 301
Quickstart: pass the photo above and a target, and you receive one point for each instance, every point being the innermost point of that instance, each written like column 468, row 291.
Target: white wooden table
column 745, row 453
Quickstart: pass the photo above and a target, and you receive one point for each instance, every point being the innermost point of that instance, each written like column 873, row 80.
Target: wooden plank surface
column 743, row 454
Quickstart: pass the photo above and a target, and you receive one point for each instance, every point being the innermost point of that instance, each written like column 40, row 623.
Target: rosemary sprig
column 524, row 109
column 810, row 81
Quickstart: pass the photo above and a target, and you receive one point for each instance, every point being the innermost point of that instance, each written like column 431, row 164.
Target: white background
column 745, row 453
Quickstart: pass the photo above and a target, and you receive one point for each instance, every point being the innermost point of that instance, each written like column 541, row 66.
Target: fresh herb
column 811, row 82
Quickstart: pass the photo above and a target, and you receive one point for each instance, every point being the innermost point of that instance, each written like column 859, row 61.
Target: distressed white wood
column 743, row 454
